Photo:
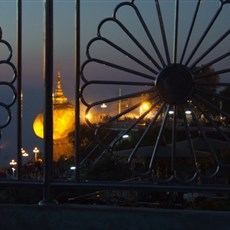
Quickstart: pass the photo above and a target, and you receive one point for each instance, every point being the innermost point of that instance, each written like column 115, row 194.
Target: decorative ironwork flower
column 8, row 76
column 156, row 87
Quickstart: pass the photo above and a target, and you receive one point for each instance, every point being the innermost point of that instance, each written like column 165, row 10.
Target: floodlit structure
column 63, row 122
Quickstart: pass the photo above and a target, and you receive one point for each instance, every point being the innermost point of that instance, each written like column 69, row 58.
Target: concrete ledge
column 103, row 217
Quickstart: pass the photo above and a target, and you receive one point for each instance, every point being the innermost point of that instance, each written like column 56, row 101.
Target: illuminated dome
column 63, row 115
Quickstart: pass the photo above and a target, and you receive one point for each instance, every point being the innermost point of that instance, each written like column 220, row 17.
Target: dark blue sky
column 92, row 12
column 32, row 26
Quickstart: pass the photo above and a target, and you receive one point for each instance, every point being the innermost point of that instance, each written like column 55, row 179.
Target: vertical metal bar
column 151, row 124
column 190, row 30
column 173, row 157
column 211, row 48
column 150, row 36
column 119, row 103
column 48, row 110
column 176, row 31
column 204, row 34
column 188, row 135
column 77, row 88
column 159, row 136
column 160, row 18
column 19, row 86
column 206, row 141
column 212, row 62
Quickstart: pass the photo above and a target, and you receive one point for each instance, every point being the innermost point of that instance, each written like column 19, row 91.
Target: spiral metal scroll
column 8, row 77
column 180, row 71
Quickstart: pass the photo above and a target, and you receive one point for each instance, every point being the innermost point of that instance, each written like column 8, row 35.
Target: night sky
column 92, row 12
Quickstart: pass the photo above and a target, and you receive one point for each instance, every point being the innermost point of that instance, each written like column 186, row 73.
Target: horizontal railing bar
column 104, row 185
column 137, row 186
column 21, row 183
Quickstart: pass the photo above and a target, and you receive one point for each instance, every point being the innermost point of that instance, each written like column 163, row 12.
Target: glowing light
column 144, row 107
column 126, row 136
column 103, row 106
column 88, row 116
column 24, row 153
column 63, row 122
column 13, row 162
column 36, row 151
column 171, row 112
column 188, row 112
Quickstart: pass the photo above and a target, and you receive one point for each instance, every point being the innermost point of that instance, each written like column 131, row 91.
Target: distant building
column 63, row 123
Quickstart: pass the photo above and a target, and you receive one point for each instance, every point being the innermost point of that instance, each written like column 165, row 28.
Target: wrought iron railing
column 165, row 116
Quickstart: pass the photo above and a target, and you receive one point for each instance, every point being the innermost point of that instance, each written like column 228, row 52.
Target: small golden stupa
column 63, row 122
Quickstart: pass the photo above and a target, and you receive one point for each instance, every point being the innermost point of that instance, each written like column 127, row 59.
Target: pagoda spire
column 59, row 97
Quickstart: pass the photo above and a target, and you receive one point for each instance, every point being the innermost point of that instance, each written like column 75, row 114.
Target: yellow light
column 103, row 106
column 24, row 153
column 145, row 106
column 63, row 115
column 63, row 124
column 36, row 151
column 63, row 121
column 13, row 163
column 88, row 116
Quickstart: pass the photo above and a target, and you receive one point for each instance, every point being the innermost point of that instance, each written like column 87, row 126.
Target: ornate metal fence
column 162, row 95
column 183, row 88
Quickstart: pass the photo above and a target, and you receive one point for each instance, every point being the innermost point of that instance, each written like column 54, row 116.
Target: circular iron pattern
column 7, row 80
column 165, row 98
column 175, row 84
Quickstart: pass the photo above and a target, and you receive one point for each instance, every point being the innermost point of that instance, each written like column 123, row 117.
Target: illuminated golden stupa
column 63, row 122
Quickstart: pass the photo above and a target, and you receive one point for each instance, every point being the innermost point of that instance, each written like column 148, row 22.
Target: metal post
column 176, row 23
column 77, row 88
column 48, row 110
column 19, row 86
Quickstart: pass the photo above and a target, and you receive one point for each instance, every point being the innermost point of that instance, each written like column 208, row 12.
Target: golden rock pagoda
column 63, row 122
